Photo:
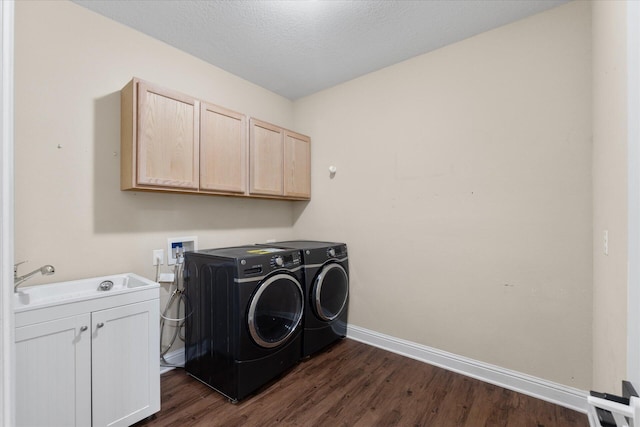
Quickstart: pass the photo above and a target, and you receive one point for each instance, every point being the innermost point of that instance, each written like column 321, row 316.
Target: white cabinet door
column 125, row 355
column 53, row 373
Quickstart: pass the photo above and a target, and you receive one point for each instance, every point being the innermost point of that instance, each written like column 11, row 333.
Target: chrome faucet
column 45, row 270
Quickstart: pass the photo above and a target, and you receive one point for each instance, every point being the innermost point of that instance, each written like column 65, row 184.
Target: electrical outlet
column 606, row 242
column 158, row 257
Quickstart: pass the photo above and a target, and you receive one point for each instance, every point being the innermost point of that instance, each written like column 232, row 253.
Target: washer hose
column 176, row 295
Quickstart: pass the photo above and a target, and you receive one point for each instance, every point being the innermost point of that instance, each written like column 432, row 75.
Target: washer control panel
column 277, row 261
column 286, row 260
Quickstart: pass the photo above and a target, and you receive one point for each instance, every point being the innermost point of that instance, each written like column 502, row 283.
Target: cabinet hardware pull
column 100, row 325
column 84, row 328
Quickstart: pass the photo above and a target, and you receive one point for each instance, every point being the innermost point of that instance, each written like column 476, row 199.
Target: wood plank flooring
column 354, row 384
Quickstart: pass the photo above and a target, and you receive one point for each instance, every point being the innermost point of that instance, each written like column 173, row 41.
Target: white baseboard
column 558, row 394
column 175, row 358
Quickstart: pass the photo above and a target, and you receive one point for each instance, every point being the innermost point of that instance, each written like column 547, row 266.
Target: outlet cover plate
column 158, row 254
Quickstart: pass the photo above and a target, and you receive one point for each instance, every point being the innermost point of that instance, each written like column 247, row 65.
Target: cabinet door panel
column 266, row 159
column 297, row 165
column 126, row 384
column 223, row 153
column 167, row 143
column 53, row 373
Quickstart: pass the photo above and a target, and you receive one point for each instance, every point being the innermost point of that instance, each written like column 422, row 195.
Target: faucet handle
column 15, row 266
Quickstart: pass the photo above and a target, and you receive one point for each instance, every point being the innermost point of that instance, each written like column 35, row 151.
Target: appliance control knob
column 279, row 261
column 332, row 252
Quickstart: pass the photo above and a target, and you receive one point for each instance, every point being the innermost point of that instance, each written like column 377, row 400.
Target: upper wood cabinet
column 266, row 158
column 297, row 165
column 223, row 150
column 159, row 137
column 174, row 142
column 279, row 161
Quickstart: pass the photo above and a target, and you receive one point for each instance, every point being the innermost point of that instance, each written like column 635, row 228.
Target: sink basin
column 76, row 290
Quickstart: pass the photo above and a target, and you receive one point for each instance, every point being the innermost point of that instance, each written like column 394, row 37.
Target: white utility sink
column 86, row 354
column 39, row 296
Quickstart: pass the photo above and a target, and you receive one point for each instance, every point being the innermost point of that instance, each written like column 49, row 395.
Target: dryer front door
column 275, row 310
column 330, row 292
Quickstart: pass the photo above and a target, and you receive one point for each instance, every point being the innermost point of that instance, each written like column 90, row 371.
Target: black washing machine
column 326, row 271
column 244, row 315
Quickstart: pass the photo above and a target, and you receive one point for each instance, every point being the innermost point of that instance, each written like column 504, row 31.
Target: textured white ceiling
column 296, row 48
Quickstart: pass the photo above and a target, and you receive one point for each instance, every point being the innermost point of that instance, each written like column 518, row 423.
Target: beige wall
column 463, row 186
column 609, row 194
column 70, row 212
column 463, row 189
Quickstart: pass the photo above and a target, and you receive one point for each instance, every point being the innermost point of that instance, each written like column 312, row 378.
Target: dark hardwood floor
column 354, row 384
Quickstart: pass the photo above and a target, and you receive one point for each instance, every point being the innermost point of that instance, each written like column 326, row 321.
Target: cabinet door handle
column 100, row 325
column 84, row 328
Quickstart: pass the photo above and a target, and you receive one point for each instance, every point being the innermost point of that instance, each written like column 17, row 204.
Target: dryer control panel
column 314, row 252
column 339, row 251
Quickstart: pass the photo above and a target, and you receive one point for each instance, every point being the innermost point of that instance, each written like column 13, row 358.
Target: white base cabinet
column 53, row 373
column 99, row 366
column 124, row 388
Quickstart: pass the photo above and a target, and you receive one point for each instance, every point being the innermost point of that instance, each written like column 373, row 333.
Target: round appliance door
column 275, row 310
column 330, row 292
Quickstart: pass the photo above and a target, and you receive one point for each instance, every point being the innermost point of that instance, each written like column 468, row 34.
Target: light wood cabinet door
column 297, row 165
column 167, row 138
column 223, row 150
column 265, row 158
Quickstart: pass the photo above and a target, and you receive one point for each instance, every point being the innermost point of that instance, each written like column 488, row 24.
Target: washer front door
column 275, row 310
column 330, row 291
